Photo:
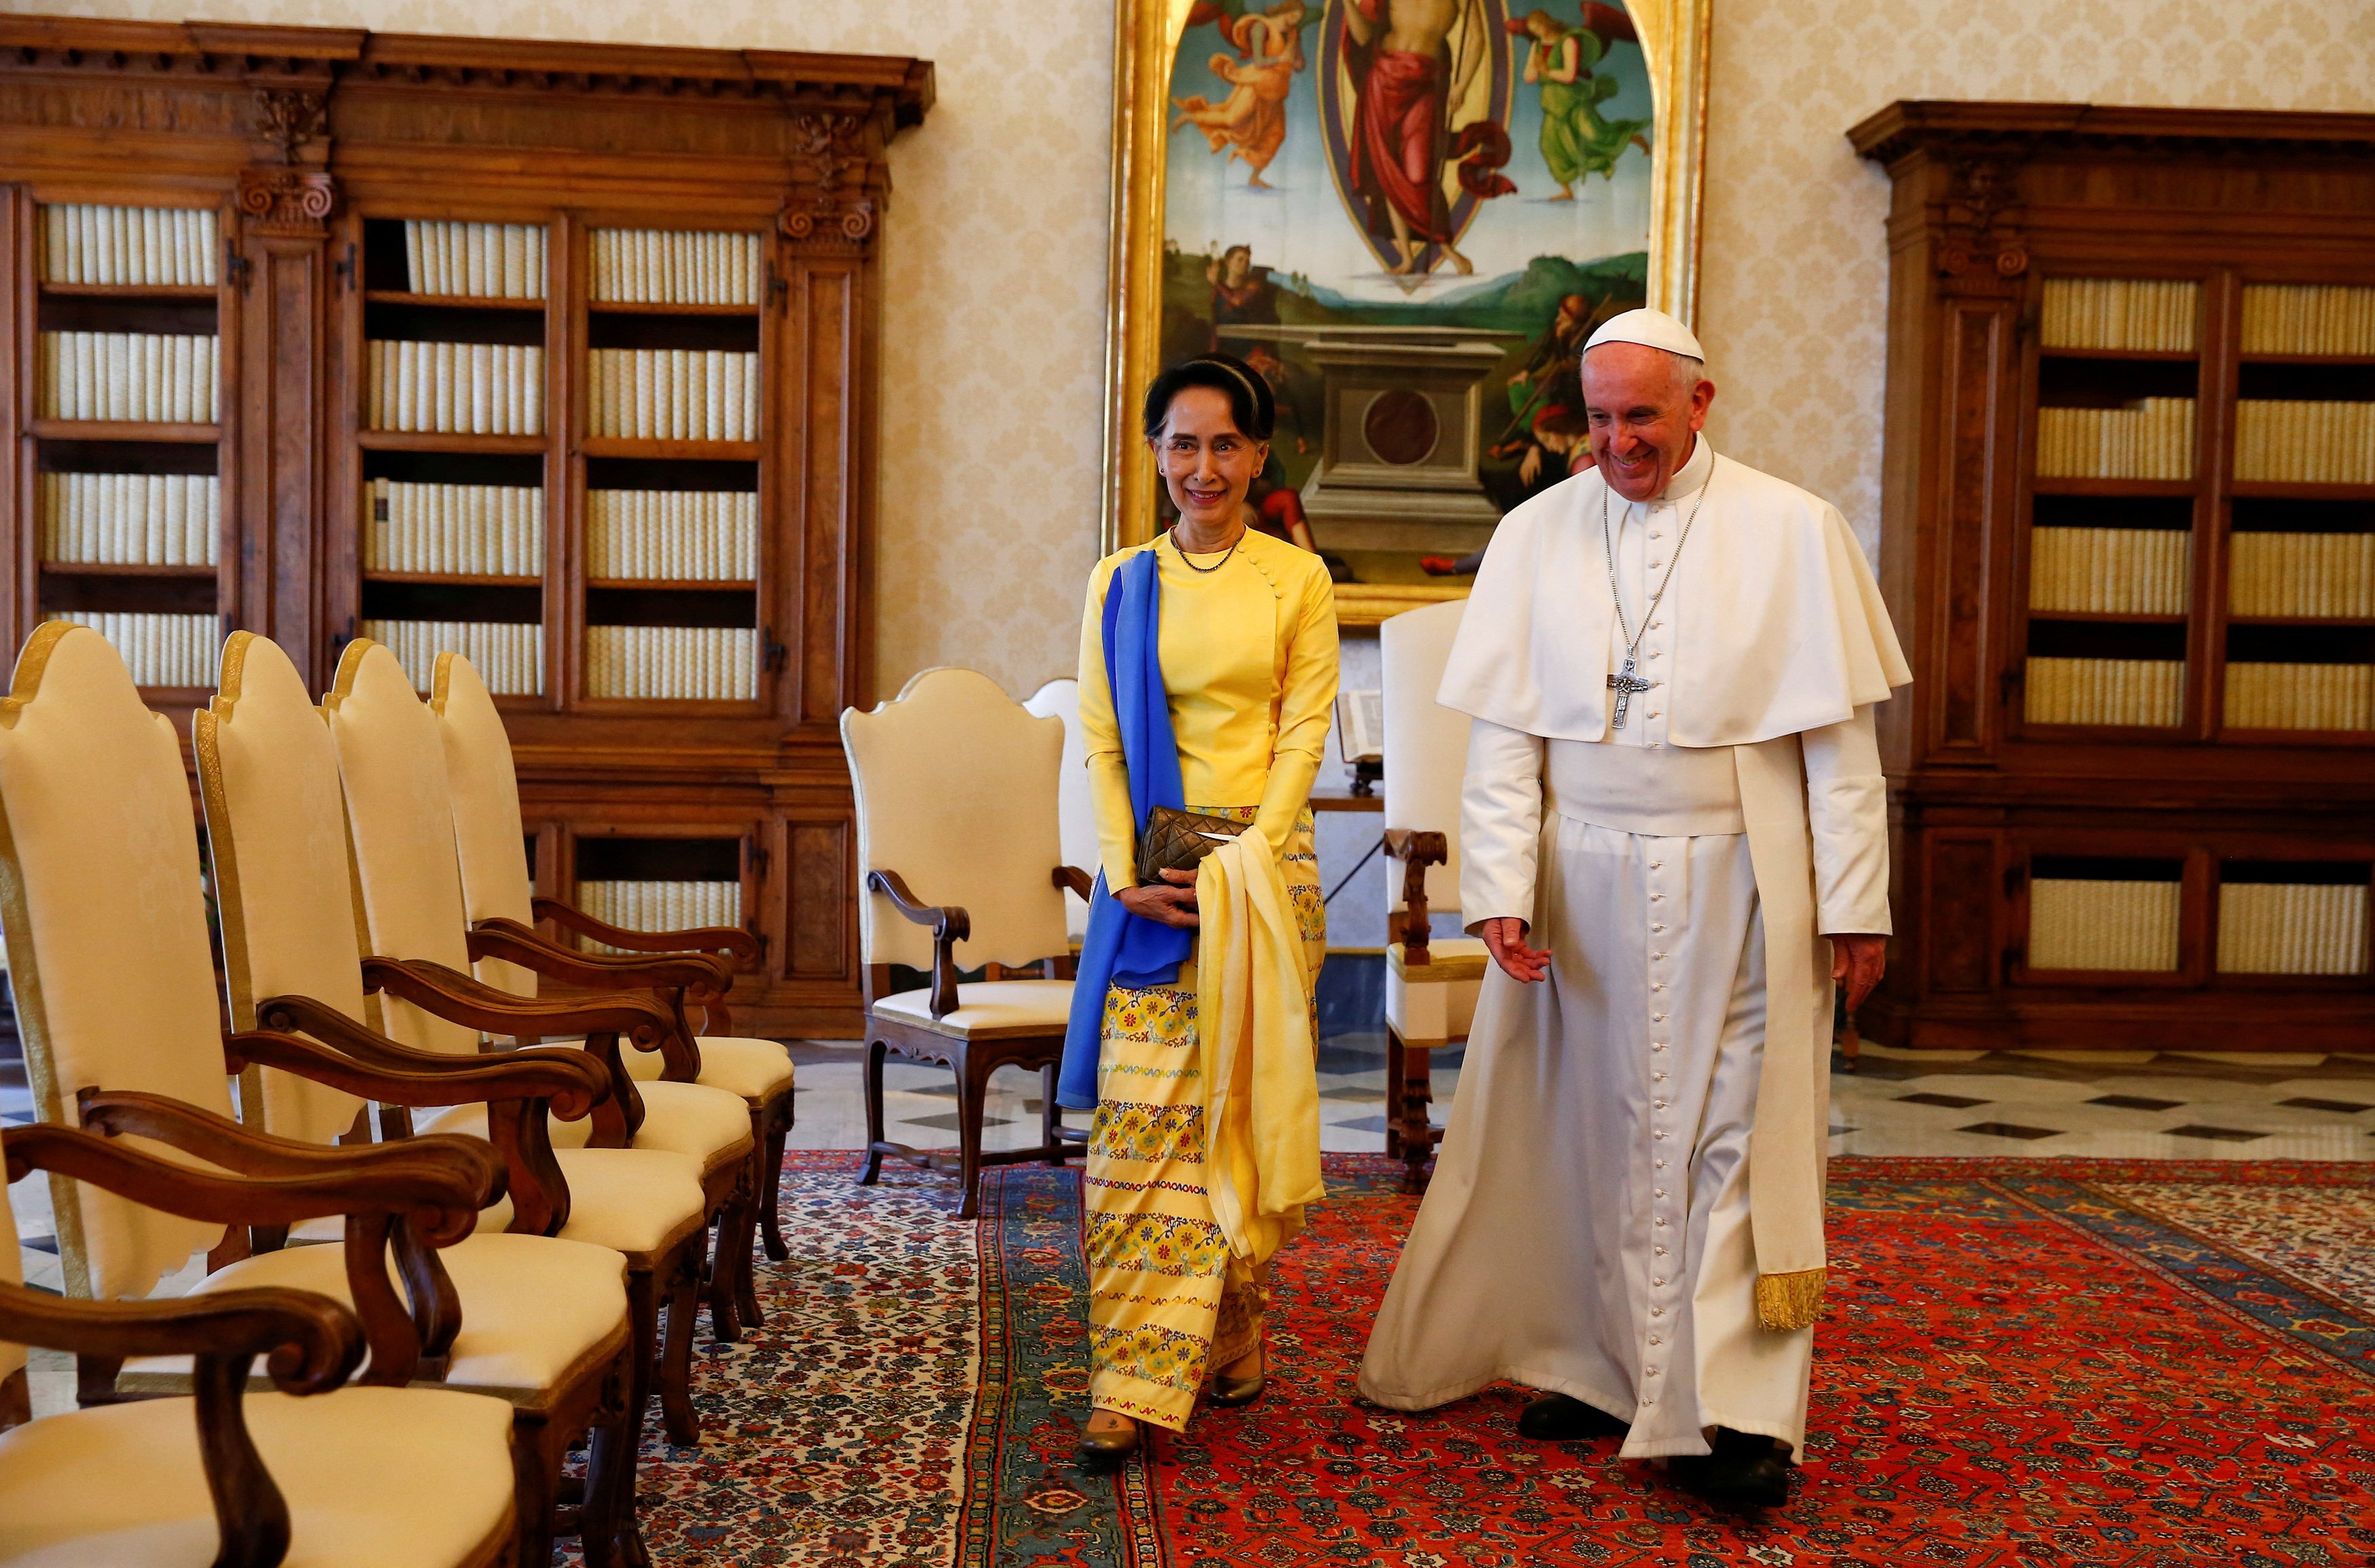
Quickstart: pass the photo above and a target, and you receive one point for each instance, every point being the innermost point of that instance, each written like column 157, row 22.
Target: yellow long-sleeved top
column 1248, row 655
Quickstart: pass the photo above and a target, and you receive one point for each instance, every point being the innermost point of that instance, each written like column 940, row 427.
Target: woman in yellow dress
column 1218, row 644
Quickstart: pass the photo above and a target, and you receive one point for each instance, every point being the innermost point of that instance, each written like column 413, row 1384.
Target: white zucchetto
column 1654, row 328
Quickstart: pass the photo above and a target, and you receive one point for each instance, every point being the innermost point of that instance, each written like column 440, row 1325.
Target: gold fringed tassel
column 1785, row 1301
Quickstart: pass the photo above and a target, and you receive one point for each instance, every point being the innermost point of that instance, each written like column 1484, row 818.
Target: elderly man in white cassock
column 1675, row 842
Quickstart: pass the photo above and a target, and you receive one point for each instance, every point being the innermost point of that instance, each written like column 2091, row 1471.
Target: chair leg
column 1049, row 1119
column 771, row 1216
column 973, row 1091
column 536, row 1483
column 675, row 1376
column 609, row 1536
column 1393, row 1092
column 874, row 1050
column 745, row 1276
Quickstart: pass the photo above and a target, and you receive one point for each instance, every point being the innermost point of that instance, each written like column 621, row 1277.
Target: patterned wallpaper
column 993, row 313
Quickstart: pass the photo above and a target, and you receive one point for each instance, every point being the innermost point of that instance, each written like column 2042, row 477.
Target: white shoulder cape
column 1779, row 625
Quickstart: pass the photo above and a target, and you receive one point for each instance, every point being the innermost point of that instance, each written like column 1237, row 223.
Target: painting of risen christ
column 1412, row 62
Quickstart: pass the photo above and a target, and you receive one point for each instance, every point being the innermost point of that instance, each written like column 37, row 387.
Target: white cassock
column 1627, row 1203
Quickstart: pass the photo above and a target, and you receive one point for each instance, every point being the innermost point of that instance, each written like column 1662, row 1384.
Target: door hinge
column 778, row 287
column 345, row 270
column 236, row 266
column 2014, row 875
column 758, row 857
column 776, row 652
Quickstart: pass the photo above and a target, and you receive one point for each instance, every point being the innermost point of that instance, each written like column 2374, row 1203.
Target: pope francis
column 1675, row 842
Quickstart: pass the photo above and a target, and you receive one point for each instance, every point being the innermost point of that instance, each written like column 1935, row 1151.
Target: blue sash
column 1121, row 948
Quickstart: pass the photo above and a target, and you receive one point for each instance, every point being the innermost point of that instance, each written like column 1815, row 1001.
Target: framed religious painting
column 1407, row 216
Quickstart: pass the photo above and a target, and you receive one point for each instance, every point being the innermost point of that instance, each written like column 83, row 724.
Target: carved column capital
column 295, row 202
column 1982, row 249
column 836, row 198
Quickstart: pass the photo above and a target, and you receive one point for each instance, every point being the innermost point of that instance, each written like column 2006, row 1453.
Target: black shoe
column 1103, row 1453
column 1559, row 1418
column 1746, row 1471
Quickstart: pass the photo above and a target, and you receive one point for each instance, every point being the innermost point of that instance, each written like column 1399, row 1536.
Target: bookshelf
column 561, row 355
column 2129, row 533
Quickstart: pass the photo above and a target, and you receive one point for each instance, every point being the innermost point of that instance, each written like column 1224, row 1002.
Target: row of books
column 128, row 245
column 2110, row 570
column 2084, row 922
column 659, row 906
column 159, row 650
column 663, row 266
column 160, row 377
column 2141, row 314
column 678, row 663
column 2292, row 928
column 674, row 394
column 2301, row 696
column 2303, row 574
column 2305, row 442
column 674, row 536
column 2104, row 691
column 2149, row 439
column 483, row 261
column 460, row 388
column 2312, row 318
column 473, row 530
column 508, row 655
column 131, row 519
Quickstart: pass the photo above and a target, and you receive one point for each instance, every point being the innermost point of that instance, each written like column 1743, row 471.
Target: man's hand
column 1858, row 960
column 1171, row 901
column 1506, row 940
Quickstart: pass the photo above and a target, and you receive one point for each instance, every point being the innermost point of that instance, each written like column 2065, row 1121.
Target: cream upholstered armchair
column 106, row 928
column 276, row 818
column 958, row 844
column 311, row 1474
column 694, row 967
column 1076, row 814
column 400, row 831
column 1431, row 983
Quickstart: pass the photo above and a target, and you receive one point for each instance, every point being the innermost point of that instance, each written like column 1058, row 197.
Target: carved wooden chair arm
column 730, row 941
column 1073, row 879
column 440, row 1183
column 950, row 924
column 563, row 1080
column 523, row 945
column 452, row 994
column 1417, row 850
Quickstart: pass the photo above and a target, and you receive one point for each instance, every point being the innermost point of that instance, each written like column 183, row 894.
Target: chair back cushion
column 283, row 887
column 400, row 821
column 106, row 925
column 1076, row 814
column 487, row 824
column 956, row 792
column 1426, row 744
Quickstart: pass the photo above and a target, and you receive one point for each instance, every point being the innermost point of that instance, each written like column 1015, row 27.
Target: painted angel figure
column 1576, row 141
column 1250, row 123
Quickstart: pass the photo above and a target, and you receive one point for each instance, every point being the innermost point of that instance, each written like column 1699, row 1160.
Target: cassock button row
column 1657, row 1312
column 1658, row 926
column 1656, row 985
column 1655, row 1340
column 1657, row 1017
column 1659, row 1077
column 1661, row 1221
column 1657, row 865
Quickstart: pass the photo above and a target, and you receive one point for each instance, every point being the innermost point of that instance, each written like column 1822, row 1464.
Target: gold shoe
column 1101, row 1453
column 1231, row 1392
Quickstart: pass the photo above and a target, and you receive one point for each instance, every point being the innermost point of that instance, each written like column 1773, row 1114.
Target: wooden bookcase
column 2114, row 828
column 318, row 151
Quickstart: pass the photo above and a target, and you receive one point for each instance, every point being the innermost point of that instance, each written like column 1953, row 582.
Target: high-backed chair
column 314, row 1475
column 400, row 831
column 958, row 843
column 276, row 820
column 1076, row 813
column 122, row 1031
column 1431, row 983
column 497, row 895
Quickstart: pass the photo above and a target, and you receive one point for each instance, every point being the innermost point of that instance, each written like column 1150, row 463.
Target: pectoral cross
column 1624, row 683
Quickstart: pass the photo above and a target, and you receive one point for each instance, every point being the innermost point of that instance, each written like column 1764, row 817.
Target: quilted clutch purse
column 1174, row 839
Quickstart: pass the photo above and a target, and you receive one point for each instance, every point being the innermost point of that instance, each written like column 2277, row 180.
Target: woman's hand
column 1171, row 901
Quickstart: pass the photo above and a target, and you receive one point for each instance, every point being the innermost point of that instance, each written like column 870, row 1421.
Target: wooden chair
column 308, row 1474
column 956, row 788
column 1076, row 814
column 267, row 765
column 106, row 922
column 275, row 818
column 1431, row 985
column 498, row 897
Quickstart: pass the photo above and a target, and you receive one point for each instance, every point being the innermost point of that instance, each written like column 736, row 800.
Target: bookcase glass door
column 129, row 436
column 659, row 884
column 674, row 477
column 455, row 435
column 2299, row 617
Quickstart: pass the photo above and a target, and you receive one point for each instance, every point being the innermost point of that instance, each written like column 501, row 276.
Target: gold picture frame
column 1672, row 38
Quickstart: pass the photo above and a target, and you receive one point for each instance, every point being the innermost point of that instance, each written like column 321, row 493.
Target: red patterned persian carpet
column 2026, row 1362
